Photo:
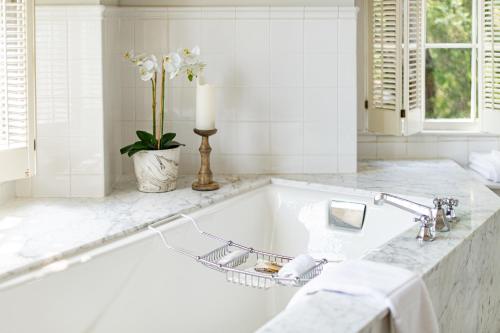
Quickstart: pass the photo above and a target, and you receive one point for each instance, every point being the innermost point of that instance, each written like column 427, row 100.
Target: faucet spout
column 405, row 204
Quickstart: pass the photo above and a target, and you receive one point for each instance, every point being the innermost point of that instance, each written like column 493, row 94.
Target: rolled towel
column 485, row 164
column 230, row 257
column 297, row 266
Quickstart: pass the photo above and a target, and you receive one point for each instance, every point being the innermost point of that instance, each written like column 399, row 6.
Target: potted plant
column 156, row 155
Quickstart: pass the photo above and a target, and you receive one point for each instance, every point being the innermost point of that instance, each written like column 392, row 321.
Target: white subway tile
column 86, row 117
column 84, row 39
column 85, row 78
column 220, row 69
column 422, row 150
column 253, row 138
column 184, row 33
column 53, row 155
column 47, row 185
column 287, row 138
column 320, row 164
column 455, row 150
column 321, row 36
column 320, row 138
column 87, row 186
column 320, row 104
column 286, row 37
column 128, row 103
column 218, row 36
column 287, row 164
column 252, row 70
column 367, row 150
column 347, row 163
column 391, row 150
column 287, row 71
column 252, row 104
column 347, row 36
column 347, row 70
column 151, row 36
column 286, row 104
column 320, row 70
column 252, row 37
column 347, row 130
column 143, row 103
column 86, row 155
column 226, row 100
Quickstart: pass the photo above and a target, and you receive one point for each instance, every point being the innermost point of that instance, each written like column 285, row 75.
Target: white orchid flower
column 173, row 63
column 148, row 67
column 147, row 64
column 190, row 57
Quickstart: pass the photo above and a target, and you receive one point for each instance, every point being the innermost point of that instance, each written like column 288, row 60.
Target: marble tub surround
column 457, row 266
column 35, row 232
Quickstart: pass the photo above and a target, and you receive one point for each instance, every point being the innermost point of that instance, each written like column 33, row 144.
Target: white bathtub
column 137, row 285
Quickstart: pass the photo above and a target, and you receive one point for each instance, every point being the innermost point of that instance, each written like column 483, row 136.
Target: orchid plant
column 184, row 61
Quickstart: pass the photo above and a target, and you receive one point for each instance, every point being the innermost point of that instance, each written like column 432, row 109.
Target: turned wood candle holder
column 205, row 181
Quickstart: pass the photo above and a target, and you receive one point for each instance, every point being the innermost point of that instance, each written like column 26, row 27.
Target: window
column 451, row 64
column 434, row 65
column 16, row 89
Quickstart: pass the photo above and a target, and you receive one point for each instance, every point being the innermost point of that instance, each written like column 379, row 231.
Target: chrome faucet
column 430, row 219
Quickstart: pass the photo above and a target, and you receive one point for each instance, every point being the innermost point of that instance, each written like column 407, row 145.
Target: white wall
column 69, row 125
column 284, row 76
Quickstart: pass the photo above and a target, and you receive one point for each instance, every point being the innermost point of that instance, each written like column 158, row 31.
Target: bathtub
column 138, row 285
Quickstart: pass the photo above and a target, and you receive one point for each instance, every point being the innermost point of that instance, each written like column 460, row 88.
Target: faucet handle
column 426, row 232
column 439, row 202
column 451, row 203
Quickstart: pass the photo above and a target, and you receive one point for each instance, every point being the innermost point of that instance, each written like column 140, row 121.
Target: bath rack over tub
column 246, row 277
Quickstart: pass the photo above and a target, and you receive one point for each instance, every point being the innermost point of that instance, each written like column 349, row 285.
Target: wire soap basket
column 235, row 269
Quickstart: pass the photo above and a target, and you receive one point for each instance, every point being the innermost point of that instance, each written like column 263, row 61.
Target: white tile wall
column 70, row 154
column 7, row 191
column 425, row 146
column 284, row 81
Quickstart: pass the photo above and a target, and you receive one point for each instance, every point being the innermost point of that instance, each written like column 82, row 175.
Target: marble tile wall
column 284, row 77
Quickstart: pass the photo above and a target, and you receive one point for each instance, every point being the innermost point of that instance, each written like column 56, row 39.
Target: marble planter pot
column 156, row 170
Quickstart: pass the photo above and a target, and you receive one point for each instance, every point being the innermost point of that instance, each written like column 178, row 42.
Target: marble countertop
column 35, row 232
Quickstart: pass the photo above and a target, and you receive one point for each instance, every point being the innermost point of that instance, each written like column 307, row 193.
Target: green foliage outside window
column 448, row 71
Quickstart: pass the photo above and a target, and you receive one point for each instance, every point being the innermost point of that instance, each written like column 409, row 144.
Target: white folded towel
column 297, row 266
column 486, row 164
column 402, row 291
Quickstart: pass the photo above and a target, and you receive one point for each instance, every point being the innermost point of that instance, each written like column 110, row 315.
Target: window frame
column 473, row 123
column 20, row 162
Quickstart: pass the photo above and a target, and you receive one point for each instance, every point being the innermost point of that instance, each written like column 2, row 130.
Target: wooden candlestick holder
column 205, row 181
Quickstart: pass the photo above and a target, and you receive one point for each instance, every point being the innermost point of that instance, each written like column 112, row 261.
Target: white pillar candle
column 205, row 108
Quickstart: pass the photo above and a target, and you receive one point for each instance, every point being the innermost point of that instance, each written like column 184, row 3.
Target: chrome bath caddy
column 235, row 269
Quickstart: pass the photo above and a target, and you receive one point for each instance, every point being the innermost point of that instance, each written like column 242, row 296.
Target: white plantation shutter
column 413, row 67
column 395, row 49
column 489, row 72
column 16, row 89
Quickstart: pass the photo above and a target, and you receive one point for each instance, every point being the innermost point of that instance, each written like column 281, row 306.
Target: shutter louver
column 16, row 92
column 490, row 66
column 413, row 66
column 395, row 49
column 14, row 75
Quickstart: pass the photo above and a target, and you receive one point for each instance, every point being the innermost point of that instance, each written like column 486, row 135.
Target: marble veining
column 457, row 266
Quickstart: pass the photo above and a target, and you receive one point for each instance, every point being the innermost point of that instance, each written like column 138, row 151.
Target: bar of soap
column 265, row 266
